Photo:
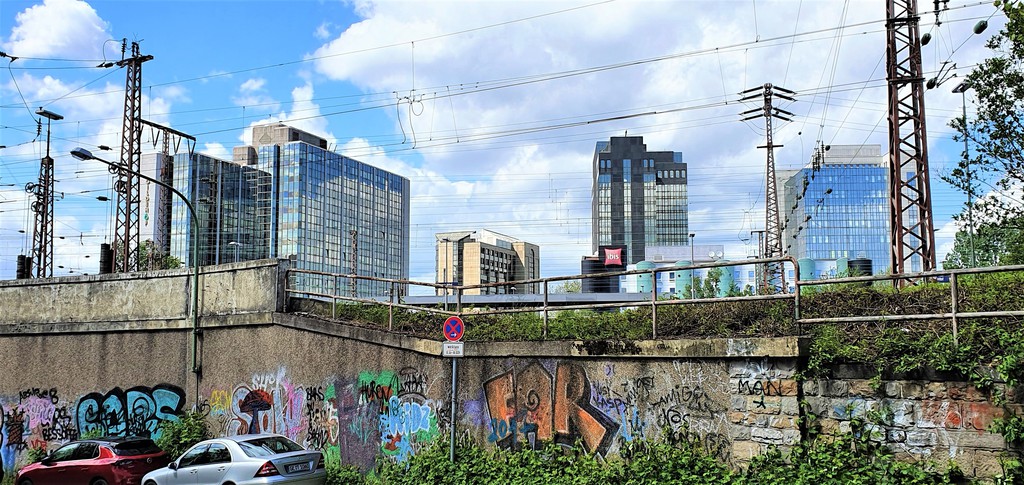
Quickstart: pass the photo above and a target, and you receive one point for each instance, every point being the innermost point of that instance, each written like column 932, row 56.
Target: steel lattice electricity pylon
column 42, row 233
column 165, row 170
column 773, row 279
column 126, row 231
column 912, row 230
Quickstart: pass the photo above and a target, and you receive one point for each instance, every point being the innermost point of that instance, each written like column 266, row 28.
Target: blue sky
column 490, row 108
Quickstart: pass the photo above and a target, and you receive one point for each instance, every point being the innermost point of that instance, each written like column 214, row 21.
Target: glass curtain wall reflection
column 297, row 200
column 639, row 197
column 837, row 207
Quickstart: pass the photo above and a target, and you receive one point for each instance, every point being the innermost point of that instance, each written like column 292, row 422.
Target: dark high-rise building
column 639, row 197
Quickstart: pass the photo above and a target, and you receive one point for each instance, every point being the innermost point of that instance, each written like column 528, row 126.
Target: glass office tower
column 223, row 195
column 298, row 200
column 837, row 207
column 639, row 197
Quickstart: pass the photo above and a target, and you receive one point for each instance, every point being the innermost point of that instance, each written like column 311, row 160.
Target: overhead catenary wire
column 450, row 99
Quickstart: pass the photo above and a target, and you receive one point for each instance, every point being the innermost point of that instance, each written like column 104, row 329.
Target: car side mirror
column 47, row 460
column 173, row 465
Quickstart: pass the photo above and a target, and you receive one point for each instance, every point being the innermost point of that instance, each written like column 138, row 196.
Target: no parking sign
column 453, row 329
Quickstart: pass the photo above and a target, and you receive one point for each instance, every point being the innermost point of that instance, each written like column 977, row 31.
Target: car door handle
column 222, row 468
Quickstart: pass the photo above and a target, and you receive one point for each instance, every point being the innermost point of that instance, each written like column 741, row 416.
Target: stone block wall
column 939, row 421
column 764, row 406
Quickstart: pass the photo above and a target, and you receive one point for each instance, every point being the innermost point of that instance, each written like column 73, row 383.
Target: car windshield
column 268, row 446
column 136, row 448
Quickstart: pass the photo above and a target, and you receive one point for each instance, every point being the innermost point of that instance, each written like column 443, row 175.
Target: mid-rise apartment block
column 482, row 257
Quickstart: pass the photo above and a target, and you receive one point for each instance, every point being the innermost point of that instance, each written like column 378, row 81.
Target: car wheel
column 25, row 482
column 99, row 481
column 150, row 482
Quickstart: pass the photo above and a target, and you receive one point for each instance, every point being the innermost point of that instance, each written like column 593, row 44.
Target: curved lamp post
column 83, row 154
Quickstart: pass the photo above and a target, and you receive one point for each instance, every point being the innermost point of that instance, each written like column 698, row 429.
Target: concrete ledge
column 378, row 337
column 680, row 348
column 93, row 327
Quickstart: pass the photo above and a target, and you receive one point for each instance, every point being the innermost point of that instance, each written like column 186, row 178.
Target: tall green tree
column 994, row 172
column 151, row 258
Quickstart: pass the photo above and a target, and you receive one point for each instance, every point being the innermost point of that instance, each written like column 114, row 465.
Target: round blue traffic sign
column 453, row 328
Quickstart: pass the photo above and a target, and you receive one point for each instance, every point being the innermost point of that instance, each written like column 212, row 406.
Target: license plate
column 300, row 467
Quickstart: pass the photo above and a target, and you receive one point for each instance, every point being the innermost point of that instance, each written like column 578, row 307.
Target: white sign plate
column 451, row 349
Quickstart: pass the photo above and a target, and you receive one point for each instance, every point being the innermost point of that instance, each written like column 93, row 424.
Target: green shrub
column 92, row 434
column 176, row 437
column 343, row 474
column 36, row 454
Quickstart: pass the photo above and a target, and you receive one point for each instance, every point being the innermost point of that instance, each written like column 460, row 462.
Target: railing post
column 544, row 331
column 334, row 297
column 955, row 297
column 654, row 304
column 796, row 297
column 391, row 306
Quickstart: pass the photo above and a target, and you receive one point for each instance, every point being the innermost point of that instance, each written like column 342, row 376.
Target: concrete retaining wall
column 359, row 394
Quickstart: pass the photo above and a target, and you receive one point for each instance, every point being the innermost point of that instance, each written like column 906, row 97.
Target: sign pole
column 455, row 400
column 453, row 329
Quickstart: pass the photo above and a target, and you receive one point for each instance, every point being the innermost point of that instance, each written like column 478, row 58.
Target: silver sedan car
column 242, row 460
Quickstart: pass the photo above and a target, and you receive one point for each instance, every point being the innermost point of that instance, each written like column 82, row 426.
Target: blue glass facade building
column 290, row 197
column 837, row 209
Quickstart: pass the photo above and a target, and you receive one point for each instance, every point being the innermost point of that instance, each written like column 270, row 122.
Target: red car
column 102, row 461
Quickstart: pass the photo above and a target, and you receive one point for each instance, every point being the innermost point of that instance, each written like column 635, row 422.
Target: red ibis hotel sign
column 613, row 256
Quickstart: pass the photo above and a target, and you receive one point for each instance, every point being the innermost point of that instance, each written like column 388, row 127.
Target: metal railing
column 954, row 302
column 332, row 287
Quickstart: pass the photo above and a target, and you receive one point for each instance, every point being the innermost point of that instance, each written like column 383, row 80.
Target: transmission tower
column 42, row 233
column 773, row 278
column 126, row 231
column 912, row 232
column 165, row 170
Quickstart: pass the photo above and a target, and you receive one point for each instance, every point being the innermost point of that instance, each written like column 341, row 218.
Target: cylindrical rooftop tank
column 843, row 267
column 683, row 279
column 860, row 267
column 807, row 269
column 106, row 259
column 726, row 282
column 644, row 282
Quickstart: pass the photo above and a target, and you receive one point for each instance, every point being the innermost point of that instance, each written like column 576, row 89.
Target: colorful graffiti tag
column 40, row 418
column 135, row 412
column 383, row 413
column 532, row 405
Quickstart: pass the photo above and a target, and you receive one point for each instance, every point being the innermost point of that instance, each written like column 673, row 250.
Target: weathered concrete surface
column 155, row 296
column 358, row 393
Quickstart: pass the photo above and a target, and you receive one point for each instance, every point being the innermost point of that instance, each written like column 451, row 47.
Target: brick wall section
column 919, row 420
column 764, row 406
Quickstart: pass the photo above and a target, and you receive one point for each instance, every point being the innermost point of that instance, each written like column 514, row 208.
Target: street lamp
column 83, row 154
column 238, row 245
column 962, row 90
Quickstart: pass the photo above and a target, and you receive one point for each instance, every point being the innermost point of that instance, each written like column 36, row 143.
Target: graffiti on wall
column 135, row 412
column 760, row 379
column 532, row 404
column 322, row 418
column 682, row 402
column 378, row 413
column 405, row 418
column 41, row 418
